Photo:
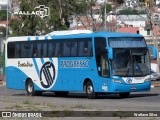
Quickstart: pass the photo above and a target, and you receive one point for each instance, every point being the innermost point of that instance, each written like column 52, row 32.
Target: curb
column 154, row 86
column 2, row 82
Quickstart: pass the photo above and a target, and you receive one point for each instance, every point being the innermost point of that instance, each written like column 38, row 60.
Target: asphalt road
column 13, row 100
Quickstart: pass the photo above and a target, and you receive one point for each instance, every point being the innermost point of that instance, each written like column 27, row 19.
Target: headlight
column 117, row 81
column 148, row 79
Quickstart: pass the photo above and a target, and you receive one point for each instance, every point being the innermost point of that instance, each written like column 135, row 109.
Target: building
column 134, row 30
column 3, row 24
column 133, row 20
column 157, row 2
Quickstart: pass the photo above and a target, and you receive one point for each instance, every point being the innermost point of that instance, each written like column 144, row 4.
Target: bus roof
column 69, row 32
column 78, row 35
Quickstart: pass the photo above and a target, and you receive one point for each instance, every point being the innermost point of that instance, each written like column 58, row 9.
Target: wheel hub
column 89, row 89
column 30, row 88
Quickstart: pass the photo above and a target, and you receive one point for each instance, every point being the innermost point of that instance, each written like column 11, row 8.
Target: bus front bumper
column 118, row 87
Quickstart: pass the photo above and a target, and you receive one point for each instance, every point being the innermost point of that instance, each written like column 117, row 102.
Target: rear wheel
column 124, row 95
column 90, row 90
column 30, row 89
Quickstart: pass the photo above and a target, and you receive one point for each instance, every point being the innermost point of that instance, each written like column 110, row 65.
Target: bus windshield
column 131, row 62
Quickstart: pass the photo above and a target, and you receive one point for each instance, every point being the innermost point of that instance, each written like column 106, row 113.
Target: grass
column 51, row 105
column 16, row 106
column 28, row 102
column 79, row 106
column 67, row 113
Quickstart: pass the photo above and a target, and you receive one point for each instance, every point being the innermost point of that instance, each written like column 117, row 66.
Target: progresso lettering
column 74, row 63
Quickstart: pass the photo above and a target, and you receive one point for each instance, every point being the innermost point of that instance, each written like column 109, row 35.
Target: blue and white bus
column 96, row 63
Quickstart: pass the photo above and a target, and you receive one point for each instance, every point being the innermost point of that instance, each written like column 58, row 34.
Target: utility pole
column 105, row 16
column 7, row 20
column 154, row 31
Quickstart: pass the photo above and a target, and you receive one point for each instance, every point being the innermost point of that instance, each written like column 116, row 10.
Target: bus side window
column 51, row 49
column 80, row 48
column 35, row 52
column 38, row 50
column 74, row 47
column 66, row 48
column 85, row 51
column 44, row 49
column 26, row 50
column 85, row 47
column 17, row 50
column 58, row 49
column 11, row 50
column 89, row 48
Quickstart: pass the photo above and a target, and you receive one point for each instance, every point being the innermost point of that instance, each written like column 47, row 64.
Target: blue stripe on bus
column 29, row 38
column 37, row 37
column 51, row 59
column 46, row 37
column 42, row 60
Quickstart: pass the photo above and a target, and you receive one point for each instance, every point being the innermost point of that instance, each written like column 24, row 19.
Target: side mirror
column 153, row 52
column 110, row 53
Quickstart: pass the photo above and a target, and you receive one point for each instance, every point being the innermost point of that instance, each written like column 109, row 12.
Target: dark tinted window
column 26, row 49
column 85, row 47
column 17, row 50
column 101, row 56
column 54, row 48
column 51, row 49
column 74, row 48
column 66, row 48
column 11, row 49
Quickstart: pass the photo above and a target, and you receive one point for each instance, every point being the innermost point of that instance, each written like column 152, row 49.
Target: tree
column 31, row 24
column 3, row 15
column 88, row 11
column 128, row 11
column 61, row 11
column 2, row 31
column 120, row 2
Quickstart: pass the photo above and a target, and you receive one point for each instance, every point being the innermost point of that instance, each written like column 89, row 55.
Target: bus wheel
column 90, row 91
column 124, row 95
column 30, row 88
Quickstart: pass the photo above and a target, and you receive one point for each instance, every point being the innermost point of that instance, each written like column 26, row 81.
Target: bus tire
column 124, row 95
column 30, row 88
column 90, row 90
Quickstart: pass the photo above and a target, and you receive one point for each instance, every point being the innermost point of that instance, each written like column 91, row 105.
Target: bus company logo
column 129, row 80
column 41, row 11
column 47, row 73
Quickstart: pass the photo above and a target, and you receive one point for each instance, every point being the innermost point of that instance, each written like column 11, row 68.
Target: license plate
column 133, row 88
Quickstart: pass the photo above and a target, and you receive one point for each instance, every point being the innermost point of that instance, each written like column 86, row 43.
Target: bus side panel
column 70, row 76
column 74, row 71
column 15, row 78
